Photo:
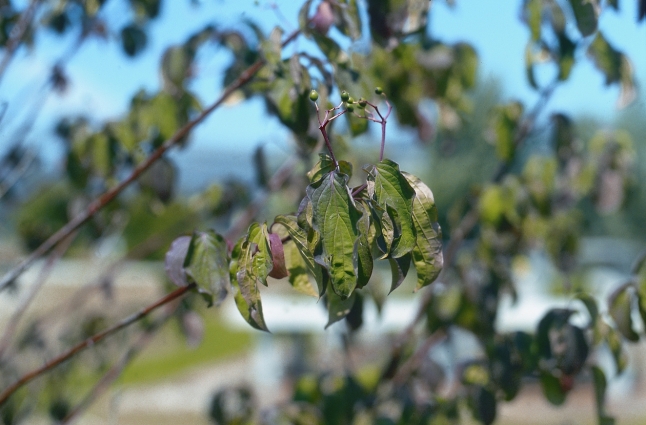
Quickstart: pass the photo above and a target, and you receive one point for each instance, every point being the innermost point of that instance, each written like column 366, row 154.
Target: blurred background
column 80, row 81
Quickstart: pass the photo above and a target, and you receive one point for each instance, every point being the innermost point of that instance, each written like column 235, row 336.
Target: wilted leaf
column 335, row 218
column 253, row 262
column 174, row 260
column 278, row 270
column 206, row 263
column 391, row 189
column 427, row 253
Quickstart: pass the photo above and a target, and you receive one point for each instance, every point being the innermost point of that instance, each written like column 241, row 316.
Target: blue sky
column 103, row 80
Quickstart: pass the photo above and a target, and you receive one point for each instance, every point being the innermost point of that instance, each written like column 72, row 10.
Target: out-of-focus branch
column 115, row 371
column 6, row 393
column 111, row 194
column 16, row 35
column 17, row 172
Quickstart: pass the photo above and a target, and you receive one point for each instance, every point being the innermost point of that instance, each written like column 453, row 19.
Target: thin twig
column 17, row 34
column 45, row 272
column 115, row 371
column 28, row 377
column 17, row 172
column 111, row 194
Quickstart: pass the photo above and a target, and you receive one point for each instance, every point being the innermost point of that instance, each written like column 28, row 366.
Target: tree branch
column 111, row 194
column 4, row 395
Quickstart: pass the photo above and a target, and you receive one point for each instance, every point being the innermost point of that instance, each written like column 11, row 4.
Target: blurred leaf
column 278, row 270
column 427, row 254
column 389, row 188
column 207, row 264
column 599, row 379
column 591, row 305
column 174, row 260
column 233, row 405
column 585, row 12
column 354, row 319
column 552, row 389
column 133, row 39
column 615, row 66
column 505, row 123
column 533, row 16
column 483, row 404
column 567, row 48
column 338, row 308
column 347, row 18
column 159, row 179
column 620, row 309
column 335, row 218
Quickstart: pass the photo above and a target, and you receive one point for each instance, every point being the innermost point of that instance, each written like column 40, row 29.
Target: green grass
column 169, row 354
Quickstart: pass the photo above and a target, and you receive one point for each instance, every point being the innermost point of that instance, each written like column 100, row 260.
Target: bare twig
column 28, row 377
column 11, row 327
column 17, row 172
column 111, row 194
column 115, row 371
column 17, row 34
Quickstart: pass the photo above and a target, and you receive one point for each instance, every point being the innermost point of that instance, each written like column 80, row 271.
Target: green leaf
column 620, row 309
column 133, row 39
column 567, row 48
column 338, row 308
column 305, row 243
column 253, row 263
column 591, row 305
column 427, row 253
column 585, row 15
column 389, row 188
column 600, row 384
column 364, row 249
column 206, row 263
column 533, row 12
column 615, row 66
column 326, row 166
column 335, row 218
column 399, row 268
column 505, row 122
column 552, row 389
column 348, row 18
column 298, row 270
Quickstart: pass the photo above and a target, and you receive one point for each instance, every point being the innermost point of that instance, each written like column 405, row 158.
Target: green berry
column 350, row 100
column 314, row 96
column 345, row 96
column 349, row 108
column 379, row 90
column 362, row 103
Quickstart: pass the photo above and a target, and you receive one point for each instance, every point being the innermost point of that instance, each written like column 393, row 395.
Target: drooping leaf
column 278, row 270
column 298, row 270
column 599, row 379
column 620, row 308
column 305, row 243
column 399, row 269
column 427, row 253
column 253, row 263
column 389, row 188
column 363, row 248
column 174, row 260
column 586, row 15
column 615, row 66
column 206, row 263
column 338, row 308
column 335, row 218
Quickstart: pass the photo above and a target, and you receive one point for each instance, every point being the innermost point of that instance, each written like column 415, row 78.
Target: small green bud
column 350, row 100
column 314, row 96
column 362, row 103
column 378, row 90
column 349, row 108
column 345, row 96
